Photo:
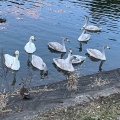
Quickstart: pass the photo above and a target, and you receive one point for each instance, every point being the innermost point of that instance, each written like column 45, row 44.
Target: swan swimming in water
column 57, row 46
column 30, row 46
column 65, row 64
column 98, row 54
column 84, row 36
column 78, row 58
column 38, row 63
column 91, row 28
column 11, row 61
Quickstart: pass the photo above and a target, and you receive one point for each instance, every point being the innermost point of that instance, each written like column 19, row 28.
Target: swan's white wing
column 15, row 65
column 78, row 59
column 60, row 63
column 56, row 46
column 92, row 28
column 44, row 67
column 63, row 64
column 8, row 60
column 84, row 37
column 30, row 47
column 95, row 53
column 37, row 62
column 87, row 37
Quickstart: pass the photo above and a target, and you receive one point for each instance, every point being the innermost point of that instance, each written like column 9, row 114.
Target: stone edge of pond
column 77, row 98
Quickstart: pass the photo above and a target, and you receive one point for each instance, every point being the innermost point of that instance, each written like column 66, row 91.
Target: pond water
column 49, row 20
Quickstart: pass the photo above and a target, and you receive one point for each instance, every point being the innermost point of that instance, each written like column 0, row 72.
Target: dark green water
column 49, row 20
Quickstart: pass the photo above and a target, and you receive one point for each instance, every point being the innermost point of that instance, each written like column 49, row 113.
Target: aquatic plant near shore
column 72, row 81
column 3, row 101
column 3, row 69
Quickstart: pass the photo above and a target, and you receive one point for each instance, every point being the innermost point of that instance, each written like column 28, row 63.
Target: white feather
column 57, row 46
column 65, row 64
column 97, row 54
column 38, row 63
column 30, row 46
column 84, row 37
column 12, row 62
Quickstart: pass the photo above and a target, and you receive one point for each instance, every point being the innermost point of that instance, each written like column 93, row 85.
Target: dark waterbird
column 2, row 20
column 24, row 93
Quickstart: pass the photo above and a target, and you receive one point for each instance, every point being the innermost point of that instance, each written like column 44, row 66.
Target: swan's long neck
column 63, row 43
column 69, row 55
column 103, row 51
column 70, row 59
column 83, row 32
column 30, row 41
column 86, row 22
column 16, row 58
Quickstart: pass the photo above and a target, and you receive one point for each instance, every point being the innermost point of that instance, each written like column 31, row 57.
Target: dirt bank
column 56, row 95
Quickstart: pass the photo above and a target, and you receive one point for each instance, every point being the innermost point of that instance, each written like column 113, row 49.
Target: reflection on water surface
column 49, row 21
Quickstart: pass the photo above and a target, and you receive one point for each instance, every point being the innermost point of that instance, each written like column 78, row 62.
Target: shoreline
column 56, row 95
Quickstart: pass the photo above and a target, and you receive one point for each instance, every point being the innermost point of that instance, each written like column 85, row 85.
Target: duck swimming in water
column 2, row 20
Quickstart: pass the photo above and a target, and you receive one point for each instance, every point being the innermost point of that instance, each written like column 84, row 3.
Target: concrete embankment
column 56, row 95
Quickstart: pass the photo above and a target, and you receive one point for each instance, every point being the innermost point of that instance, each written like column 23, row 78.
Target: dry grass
column 72, row 81
column 3, row 101
column 106, row 108
column 100, row 82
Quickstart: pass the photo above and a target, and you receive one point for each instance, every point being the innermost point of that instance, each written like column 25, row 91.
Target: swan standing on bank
column 38, row 63
column 98, row 54
column 57, row 46
column 84, row 37
column 91, row 28
column 65, row 64
column 11, row 61
column 30, row 46
column 78, row 58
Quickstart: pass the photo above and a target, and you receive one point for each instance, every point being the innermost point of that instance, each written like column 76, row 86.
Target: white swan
column 30, row 46
column 91, row 28
column 38, row 63
column 97, row 54
column 84, row 36
column 78, row 58
column 12, row 62
column 57, row 46
column 65, row 64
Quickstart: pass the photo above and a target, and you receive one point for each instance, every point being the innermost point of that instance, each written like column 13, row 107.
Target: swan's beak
column 70, row 51
column 83, row 28
column 21, row 83
column 14, row 54
column 68, row 41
